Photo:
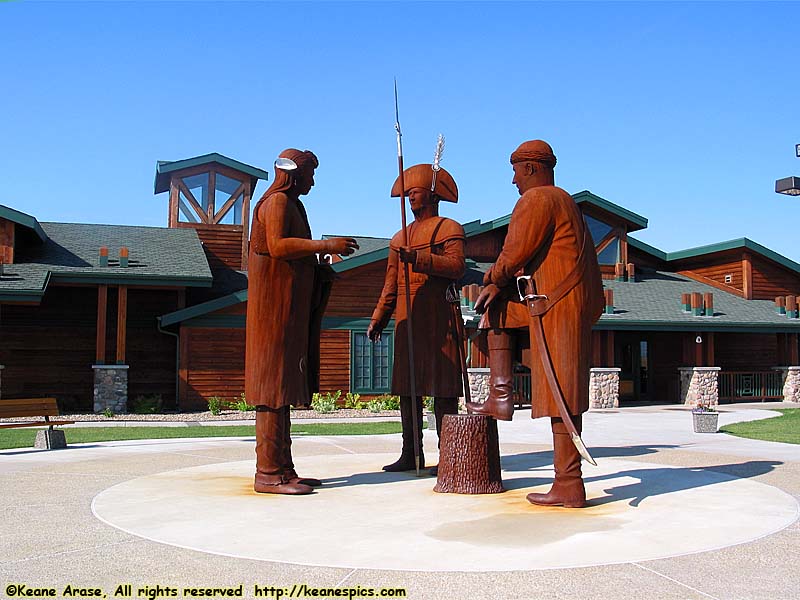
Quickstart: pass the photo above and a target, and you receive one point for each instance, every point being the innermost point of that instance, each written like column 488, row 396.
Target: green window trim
column 367, row 374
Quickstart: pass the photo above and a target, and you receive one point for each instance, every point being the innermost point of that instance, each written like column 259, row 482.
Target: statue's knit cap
column 536, row 151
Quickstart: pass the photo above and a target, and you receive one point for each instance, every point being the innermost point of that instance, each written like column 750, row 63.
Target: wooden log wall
column 334, row 361
column 49, row 349
column 713, row 271
column 356, row 292
column 6, row 241
column 486, row 246
column 222, row 243
column 746, row 351
column 771, row 280
column 212, row 364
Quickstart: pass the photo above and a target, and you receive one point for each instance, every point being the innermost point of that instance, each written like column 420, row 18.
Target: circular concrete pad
column 364, row 518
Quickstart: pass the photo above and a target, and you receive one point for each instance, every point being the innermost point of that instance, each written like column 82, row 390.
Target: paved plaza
column 672, row 514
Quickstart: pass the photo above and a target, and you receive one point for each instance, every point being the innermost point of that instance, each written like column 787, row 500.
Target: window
column 371, row 364
column 597, row 229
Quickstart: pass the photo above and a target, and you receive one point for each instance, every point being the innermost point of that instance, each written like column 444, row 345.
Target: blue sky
column 685, row 113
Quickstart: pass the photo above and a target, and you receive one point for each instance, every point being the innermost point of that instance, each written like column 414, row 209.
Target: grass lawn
column 23, row 438
column 785, row 428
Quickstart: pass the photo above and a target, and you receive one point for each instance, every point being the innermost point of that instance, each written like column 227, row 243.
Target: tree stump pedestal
column 469, row 456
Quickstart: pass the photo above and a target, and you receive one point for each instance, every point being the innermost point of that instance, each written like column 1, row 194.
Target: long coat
column 439, row 243
column 544, row 239
column 285, row 302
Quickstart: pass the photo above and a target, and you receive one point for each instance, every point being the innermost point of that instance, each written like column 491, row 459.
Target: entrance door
column 634, row 379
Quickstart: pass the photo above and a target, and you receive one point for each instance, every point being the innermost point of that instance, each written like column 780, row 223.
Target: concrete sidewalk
column 51, row 537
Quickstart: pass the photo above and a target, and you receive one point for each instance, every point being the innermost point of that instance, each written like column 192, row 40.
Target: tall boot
column 442, row 407
column 567, row 489
column 270, row 454
column 500, row 403
column 406, row 460
column 288, row 464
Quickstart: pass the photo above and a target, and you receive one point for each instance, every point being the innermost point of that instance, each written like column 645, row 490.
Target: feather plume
column 437, row 159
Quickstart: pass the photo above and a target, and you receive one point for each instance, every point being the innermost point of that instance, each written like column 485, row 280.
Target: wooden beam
column 794, row 350
column 173, row 204
column 102, row 307
column 623, row 247
column 747, row 276
column 248, row 192
column 183, row 369
column 122, row 322
column 228, row 204
column 609, row 237
column 708, row 342
column 609, row 348
column 212, row 194
column 192, row 201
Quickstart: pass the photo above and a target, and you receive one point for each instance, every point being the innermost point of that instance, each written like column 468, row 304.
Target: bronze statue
column 288, row 291
column 548, row 244
column 436, row 256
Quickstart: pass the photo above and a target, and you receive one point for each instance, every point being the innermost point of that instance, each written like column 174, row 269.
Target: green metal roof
column 23, row 220
column 165, row 167
column 634, row 221
column 158, row 257
column 203, row 308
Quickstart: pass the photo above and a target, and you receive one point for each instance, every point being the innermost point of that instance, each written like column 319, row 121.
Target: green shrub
column 427, row 402
column 324, row 403
column 215, row 405
column 108, row 413
column 352, row 400
column 241, row 404
column 375, row 405
column 146, row 404
column 390, row 402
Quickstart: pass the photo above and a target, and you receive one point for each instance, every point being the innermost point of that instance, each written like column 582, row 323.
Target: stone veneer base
column 111, row 388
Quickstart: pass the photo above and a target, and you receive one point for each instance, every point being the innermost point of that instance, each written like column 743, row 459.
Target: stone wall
column 604, row 387
column 791, row 384
column 700, row 386
column 111, row 388
column 479, row 384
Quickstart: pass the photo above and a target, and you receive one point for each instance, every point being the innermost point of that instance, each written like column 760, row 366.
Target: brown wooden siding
column 356, row 292
column 486, row 246
column 48, row 350
column 6, row 241
column 334, row 361
column 214, row 365
column 771, row 280
column 714, row 269
column 746, row 351
column 222, row 243
column 666, row 357
column 644, row 260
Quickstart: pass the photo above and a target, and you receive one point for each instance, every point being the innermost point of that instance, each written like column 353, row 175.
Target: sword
column 529, row 296
column 409, row 327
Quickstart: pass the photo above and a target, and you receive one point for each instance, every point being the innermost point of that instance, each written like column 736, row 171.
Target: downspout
column 177, row 360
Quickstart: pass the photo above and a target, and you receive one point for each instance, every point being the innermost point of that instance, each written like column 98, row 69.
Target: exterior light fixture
column 789, row 185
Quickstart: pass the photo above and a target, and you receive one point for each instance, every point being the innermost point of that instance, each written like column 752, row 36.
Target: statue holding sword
column 546, row 280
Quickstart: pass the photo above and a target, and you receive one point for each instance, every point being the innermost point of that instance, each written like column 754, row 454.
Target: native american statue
column 547, row 280
column 435, row 252
column 287, row 294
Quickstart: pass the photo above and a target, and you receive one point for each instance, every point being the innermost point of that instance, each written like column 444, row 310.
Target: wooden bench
column 35, row 407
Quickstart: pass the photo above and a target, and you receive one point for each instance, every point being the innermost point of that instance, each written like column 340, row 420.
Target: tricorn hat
column 422, row 176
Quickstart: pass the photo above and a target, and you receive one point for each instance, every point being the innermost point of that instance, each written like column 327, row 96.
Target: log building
column 97, row 315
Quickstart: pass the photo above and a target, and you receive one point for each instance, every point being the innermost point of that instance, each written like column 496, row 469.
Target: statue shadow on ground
column 375, row 478
column 653, row 481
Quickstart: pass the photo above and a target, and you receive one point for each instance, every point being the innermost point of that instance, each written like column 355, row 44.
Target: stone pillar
column 111, row 388
column 700, row 385
column 479, row 384
column 1, row 380
column 604, row 387
column 791, row 383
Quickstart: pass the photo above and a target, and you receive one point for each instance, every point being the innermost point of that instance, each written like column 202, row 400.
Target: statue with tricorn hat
column 546, row 280
column 287, row 294
column 435, row 252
